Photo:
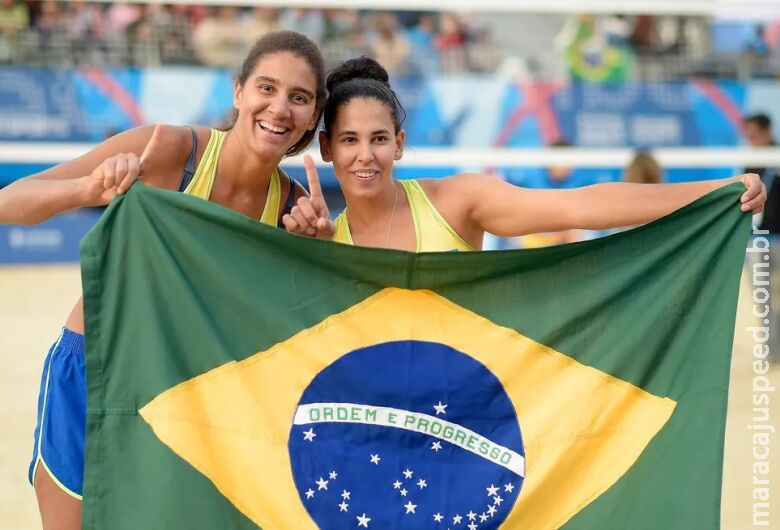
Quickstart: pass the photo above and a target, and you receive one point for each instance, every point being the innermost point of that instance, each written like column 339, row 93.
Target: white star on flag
column 457, row 519
column 343, row 506
column 472, row 526
column 509, row 488
column 491, row 510
column 375, row 459
column 408, row 473
column 436, row 446
column 498, row 500
column 309, row 493
column 422, row 483
column 323, row 484
column 410, row 507
column 363, row 520
column 492, row 490
column 438, row 517
column 345, row 495
column 404, row 492
column 333, row 475
column 440, row 408
column 309, row 435
column 397, row 484
column 483, row 518
column 471, row 515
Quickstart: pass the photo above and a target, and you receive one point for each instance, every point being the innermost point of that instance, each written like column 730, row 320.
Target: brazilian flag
column 240, row 377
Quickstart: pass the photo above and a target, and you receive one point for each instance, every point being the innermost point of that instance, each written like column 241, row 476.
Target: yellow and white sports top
column 203, row 180
column 433, row 233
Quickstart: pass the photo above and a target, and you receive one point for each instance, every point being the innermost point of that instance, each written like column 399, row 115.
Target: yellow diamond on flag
column 582, row 429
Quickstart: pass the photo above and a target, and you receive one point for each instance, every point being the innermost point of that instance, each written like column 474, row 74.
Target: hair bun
column 358, row 68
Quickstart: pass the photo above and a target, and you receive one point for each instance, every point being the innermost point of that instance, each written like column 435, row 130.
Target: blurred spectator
column 389, row 46
column 310, row 22
column 558, row 175
column 451, row 43
column 86, row 30
column 258, row 22
column 219, row 40
column 595, row 49
column 424, row 57
column 85, row 21
column 643, row 169
column 758, row 132
column 757, row 45
column 344, row 36
column 14, row 18
column 122, row 15
column 772, row 34
column 644, row 35
column 173, row 30
column 50, row 29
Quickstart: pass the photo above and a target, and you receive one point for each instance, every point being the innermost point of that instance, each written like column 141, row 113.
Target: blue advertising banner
column 464, row 110
column 55, row 241
column 474, row 111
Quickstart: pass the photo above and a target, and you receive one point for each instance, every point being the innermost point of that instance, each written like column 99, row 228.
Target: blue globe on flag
column 407, row 434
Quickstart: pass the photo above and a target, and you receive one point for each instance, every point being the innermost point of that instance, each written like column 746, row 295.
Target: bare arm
column 500, row 208
column 94, row 178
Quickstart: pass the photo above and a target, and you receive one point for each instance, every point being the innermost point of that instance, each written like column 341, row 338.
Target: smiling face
column 276, row 105
column 362, row 145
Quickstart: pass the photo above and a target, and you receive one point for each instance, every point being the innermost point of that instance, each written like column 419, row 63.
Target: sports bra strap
column 189, row 169
column 290, row 202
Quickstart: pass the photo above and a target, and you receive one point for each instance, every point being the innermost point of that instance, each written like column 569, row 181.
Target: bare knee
column 59, row 511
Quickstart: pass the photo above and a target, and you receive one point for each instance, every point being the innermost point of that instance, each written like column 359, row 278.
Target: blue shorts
column 62, row 415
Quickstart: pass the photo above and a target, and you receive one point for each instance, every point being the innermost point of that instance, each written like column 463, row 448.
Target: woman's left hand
column 754, row 198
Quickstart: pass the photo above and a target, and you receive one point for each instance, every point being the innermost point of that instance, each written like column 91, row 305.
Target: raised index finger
column 313, row 178
column 153, row 143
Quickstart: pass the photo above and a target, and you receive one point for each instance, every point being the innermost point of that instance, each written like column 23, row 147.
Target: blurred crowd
column 122, row 33
column 616, row 47
column 596, row 48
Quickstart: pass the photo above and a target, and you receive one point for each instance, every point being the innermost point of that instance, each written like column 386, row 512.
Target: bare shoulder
column 169, row 156
column 458, row 188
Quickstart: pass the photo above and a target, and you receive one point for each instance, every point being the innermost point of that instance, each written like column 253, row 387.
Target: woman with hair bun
column 363, row 137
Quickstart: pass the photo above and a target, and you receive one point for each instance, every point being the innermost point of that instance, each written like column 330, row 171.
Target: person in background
column 758, row 132
column 390, row 45
column 260, row 21
column 310, row 22
column 643, row 169
column 14, row 18
column 424, row 57
column 219, row 39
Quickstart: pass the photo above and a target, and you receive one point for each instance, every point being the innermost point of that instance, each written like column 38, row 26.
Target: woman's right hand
column 310, row 216
column 116, row 174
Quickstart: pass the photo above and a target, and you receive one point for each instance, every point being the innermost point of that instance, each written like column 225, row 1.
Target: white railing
column 682, row 157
